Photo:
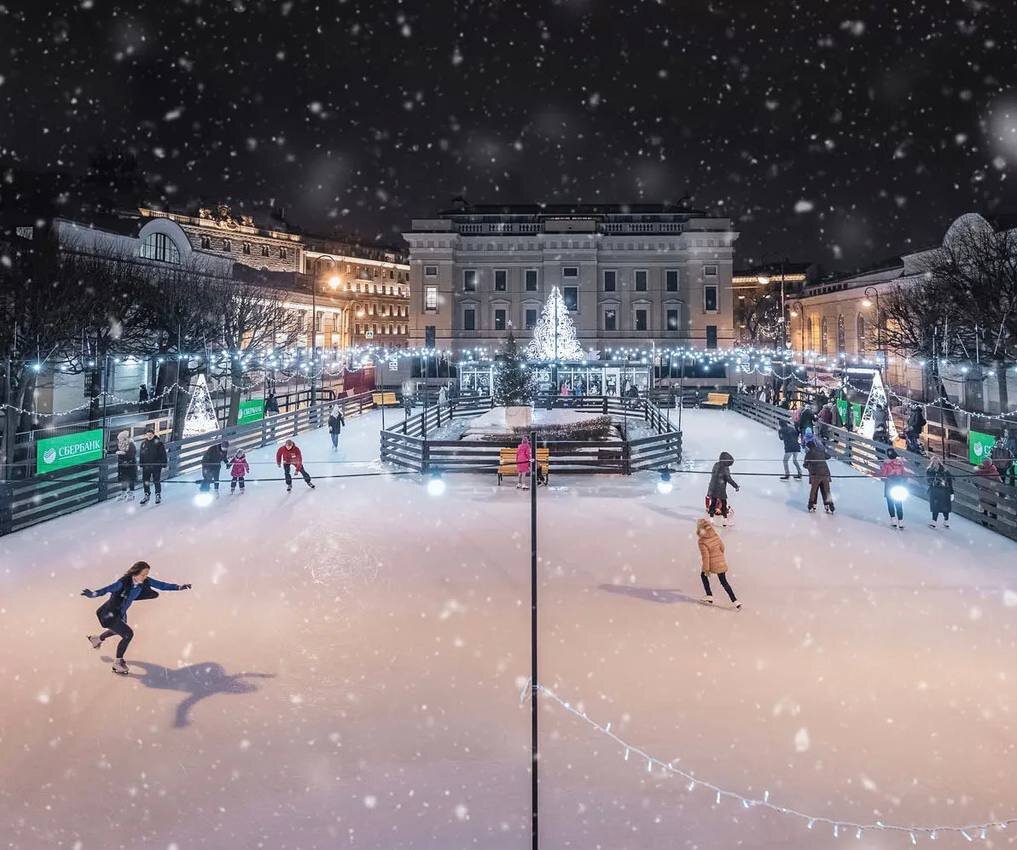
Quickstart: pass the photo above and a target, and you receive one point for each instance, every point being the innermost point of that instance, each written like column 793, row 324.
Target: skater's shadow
column 662, row 596
column 198, row 681
column 690, row 515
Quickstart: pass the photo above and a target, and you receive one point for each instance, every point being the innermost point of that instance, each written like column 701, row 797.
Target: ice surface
column 346, row 671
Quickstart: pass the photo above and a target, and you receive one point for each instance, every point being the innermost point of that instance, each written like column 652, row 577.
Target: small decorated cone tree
column 512, row 384
column 554, row 337
column 200, row 418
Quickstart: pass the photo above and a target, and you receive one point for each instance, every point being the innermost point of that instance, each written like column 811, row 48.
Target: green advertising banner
column 979, row 446
column 251, row 410
column 856, row 412
column 55, row 453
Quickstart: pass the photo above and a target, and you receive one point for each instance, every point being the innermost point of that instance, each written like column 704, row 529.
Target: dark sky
column 833, row 131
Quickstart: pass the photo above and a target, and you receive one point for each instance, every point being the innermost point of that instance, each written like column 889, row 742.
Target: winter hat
column 727, row 456
column 123, row 435
column 240, row 453
column 891, row 453
column 225, row 444
column 150, row 430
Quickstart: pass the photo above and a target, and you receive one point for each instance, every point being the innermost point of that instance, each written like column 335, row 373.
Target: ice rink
column 346, row 671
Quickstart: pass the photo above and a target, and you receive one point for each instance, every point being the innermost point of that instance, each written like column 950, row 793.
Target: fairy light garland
column 970, row 831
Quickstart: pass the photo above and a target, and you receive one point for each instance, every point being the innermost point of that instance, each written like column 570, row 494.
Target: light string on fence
column 969, row 831
column 98, row 398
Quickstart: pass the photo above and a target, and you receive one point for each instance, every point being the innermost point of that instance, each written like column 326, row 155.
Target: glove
column 86, row 592
column 185, row 587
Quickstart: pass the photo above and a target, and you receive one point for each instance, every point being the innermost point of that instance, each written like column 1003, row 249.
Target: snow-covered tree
column 554, row 337
column 511, row 375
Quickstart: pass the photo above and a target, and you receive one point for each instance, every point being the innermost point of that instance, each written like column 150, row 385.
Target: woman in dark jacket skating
column 720, row 477
column 940, row 482
column 133, row 585
column 789, row 437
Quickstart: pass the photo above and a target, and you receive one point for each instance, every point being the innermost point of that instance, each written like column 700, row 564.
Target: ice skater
column 816, row 457
column 523, row 458
column 940, row 482
column 212, row 462
column 716, row 494
column 152, row 457
column 336, row 423
column 239, row 467
column 127, row 465
column 133, row 585
column 711, row 554
column 789, row 436
column 289, row 456
column 895, row 486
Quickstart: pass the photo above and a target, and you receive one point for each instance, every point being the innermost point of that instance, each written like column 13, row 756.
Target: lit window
column 469, row 280
column 159, row 247
column 672, row 318
column 431, row 298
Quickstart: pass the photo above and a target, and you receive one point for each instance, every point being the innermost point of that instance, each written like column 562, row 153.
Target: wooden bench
column 380, row 399
column 716, row 400
column 507, row 464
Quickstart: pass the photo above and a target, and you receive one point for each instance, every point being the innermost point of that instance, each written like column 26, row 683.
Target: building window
column 860, row 333
column 469, row 319
column 159, row 247
column 710, row 299
column 711, row 336
column 430, row 271
column 500, row 280
column 264, row 250
column 226, row 245
column 841, row 334
column 246, row 247
column 610, row 281
column 824, row 337
column 283, row 253
column 709, row 271
column 610, row 320
column 531, row 319
column 570, row 271
column 640, row 320
column 531, row 280
column 206, row 242
column 499, row 320
column 810, row 331
column 671, row 280
column 469, row 280
column 357, row 329
column 571, row 296
column 672, row 318
column 641, row 280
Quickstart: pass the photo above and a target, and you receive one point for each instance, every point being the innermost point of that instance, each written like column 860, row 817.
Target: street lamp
column 870, row 292
column 799, row 310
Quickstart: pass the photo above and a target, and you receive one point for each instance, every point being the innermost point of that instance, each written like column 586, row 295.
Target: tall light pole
column 797, row 305
column 871, row 293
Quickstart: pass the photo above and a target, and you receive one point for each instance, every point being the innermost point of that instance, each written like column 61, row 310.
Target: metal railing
column 33, row 500
column 979, row 499
column 407, row 444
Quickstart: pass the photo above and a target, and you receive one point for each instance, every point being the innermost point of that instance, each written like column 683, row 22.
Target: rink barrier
column 407, row 446
column 972, row 494
column 30, row 501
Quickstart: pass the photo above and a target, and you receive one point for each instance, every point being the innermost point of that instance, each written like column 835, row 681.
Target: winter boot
column 95, row 640
column 120, row 667
column 946, row 523
column 145, row 500
column 900, row 524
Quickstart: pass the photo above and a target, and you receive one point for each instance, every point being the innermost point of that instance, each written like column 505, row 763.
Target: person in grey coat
column 716, row 494
column 789, row 437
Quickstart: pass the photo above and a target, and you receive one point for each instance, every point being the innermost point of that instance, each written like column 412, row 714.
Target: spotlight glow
column 898, row 493
column 203, row 500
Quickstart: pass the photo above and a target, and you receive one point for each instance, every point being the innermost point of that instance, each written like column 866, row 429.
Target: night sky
column 837, row 132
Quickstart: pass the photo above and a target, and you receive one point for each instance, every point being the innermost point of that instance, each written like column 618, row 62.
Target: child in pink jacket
column 239, row 467
column 523, row 458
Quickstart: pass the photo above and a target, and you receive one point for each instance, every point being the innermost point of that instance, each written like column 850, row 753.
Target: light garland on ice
column 969, row 831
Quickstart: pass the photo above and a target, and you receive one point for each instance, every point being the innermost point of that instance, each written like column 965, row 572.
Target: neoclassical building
column 630, row 274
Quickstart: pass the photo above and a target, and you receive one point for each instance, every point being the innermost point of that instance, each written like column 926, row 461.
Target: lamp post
column 871, row 293
column 800, row 308
column 534, row 681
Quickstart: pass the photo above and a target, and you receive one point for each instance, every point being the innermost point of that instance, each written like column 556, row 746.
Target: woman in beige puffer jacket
column 711, row 553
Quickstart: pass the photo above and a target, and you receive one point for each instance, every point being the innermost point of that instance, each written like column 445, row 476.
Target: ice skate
column 738, row 606
column 900, row 524
column 812, row 509
column 309, row 484
column 829, row 508
column 785, row 477
column 932, row 523
column 95, row 640
column 145, row 500
column 798, row 477
column 707, row 600
column 289, row 487
column 130, row 497
column 893, row 522
column 946, row 523
column 158, row 498
column 120, row 667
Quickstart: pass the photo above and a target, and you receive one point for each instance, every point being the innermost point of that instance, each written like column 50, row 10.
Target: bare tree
column 760, row 312
column 976, row 271
column 254, row 318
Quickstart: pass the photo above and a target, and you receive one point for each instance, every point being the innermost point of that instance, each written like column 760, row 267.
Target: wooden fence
column 33, row 500
column 990, row 503
column 407, row 445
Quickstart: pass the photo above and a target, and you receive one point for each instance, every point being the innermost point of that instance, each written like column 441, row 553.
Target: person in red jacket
column 289, row 456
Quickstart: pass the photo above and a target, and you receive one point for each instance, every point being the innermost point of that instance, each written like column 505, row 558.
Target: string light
column 836, row 824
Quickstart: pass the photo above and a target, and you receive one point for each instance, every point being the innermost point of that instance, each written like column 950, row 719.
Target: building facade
column 630, row 275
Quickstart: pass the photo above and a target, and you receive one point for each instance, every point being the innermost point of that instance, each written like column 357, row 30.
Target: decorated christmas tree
column 200, row 417
column 511, row 376
column 877, row 398
column 554, row 337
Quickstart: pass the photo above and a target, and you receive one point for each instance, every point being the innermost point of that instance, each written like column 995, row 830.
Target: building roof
column 465, row 208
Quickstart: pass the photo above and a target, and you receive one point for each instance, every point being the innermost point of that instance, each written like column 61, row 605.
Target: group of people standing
column 152, row 459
